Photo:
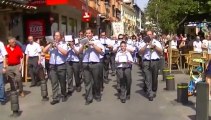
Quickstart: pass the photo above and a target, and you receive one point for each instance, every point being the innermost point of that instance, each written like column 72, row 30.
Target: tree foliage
column 168, row 14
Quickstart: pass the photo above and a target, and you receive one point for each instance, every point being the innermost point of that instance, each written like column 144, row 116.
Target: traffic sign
column 86, row 17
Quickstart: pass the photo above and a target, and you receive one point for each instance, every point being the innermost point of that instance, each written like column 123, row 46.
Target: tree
column 168, row 14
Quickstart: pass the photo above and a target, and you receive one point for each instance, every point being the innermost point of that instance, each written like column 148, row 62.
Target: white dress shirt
column 105, row 41
column 209, row 47
column 33, row 49
column 90, row 54
column 174, row 44
column 3, row 52
column 56, row 57
column 72, row 56
column 197, row 46
column 205, row 42
column 123, row 59
column 148, row 51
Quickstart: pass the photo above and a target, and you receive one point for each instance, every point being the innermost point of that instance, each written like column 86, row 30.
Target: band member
column 58, row 54
column 91, row 62
column 107, row 46
column 14, row 62
column 73, row 65
column 33, row 60
column 115, row 50
column 115, row 43
column 124, row 60
column 3, row 66
column 150, row 50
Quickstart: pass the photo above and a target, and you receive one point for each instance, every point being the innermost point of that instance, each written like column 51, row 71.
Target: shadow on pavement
column 193, row 117
column 189, row 104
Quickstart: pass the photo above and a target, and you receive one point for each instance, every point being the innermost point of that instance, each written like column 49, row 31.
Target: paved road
column 138, row 107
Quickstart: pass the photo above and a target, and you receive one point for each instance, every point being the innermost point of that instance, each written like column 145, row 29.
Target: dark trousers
column 112, row 62
column 73, row 69
column 150, row 69
column 58, row 76
column 124, row 75
column 106, row 67
column 101, row 73
column 33, row 69
column 91, row 80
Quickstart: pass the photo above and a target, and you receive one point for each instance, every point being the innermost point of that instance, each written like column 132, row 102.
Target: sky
column 142, row 3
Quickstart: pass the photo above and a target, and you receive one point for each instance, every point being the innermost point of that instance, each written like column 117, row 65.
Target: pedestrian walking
column 14, row 66
column 3, row 67
column 151, row 50
column 91, row 62
column 124, row 60
column 58, row 55
column 73, row 65
column 106, row 42
column 33, row 60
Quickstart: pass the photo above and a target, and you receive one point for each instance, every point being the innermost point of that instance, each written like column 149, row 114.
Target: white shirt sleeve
column 194, row 44
column 130, row 58
column 117, row 57
column 3, row 50
column 131, row 48
column 158, row 44
column 141, row 45
column 39, row 49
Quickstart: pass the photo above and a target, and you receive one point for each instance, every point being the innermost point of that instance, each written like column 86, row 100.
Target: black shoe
column 32, row 85
column 106, row 81
column 154, row 95
column 38, row 84
column 45, row 99
column 54, row 102
column 69, row 93
column 64, row 98
column 78, row 89
column 98, row 99
column 123, row 100
column 150, row 98
column 3, row 102
column 88, row 102
column 113, row 74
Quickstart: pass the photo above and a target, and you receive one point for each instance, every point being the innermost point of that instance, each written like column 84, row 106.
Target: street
column 164, row 106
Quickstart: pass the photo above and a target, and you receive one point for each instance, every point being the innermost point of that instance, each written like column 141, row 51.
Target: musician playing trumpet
column 58, row 54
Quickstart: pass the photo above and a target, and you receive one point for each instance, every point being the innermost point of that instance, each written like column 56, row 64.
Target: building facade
column 128, row 17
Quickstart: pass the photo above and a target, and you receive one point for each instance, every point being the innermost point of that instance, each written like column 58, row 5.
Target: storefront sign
column 37, row 3
column 118, row 28
column 56, row 2
column 86, row 17
column 36, row 28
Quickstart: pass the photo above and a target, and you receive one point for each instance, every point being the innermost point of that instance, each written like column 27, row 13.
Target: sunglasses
column 120, row 38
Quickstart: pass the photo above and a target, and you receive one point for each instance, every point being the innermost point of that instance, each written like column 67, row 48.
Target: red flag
column 56, row 2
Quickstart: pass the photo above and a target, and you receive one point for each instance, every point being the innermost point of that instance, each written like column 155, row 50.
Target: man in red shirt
column 14, row 62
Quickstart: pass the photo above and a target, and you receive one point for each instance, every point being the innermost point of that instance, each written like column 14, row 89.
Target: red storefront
column 40, row 24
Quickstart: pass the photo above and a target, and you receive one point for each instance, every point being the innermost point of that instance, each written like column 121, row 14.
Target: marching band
column 70, row 62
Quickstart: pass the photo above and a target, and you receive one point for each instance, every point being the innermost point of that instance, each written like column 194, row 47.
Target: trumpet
column 53, row 44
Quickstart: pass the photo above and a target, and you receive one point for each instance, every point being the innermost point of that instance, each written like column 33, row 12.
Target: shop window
column 64, row 25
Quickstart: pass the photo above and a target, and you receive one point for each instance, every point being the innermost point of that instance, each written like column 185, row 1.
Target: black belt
column 152, row 60
column 57, row 64
column 73, row 61
column 91, row 62
column 33, row 56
